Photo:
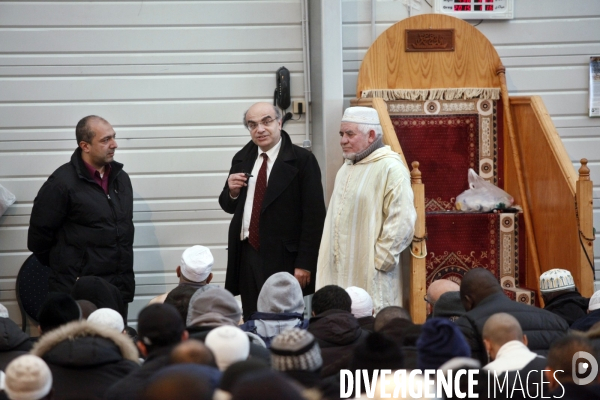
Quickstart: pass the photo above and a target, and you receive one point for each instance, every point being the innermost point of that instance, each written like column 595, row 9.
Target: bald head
column 500, row 329
column 477, row 284
column 438, row 288
column 192, row 352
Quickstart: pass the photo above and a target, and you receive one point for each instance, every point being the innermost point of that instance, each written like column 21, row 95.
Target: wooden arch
column 472, row 64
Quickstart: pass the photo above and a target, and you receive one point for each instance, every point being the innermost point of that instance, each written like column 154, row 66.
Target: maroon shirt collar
column 103, row 182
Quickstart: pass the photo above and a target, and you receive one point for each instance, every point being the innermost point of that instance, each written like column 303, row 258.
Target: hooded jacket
column 338, row 333
column 13, row 342
column 78, row 230
column 280, row 307
column 86, row 358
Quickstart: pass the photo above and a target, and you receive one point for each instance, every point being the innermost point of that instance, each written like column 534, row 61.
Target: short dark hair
column 83, row 132
column 180, row 298
column 331, row 297
column 389, row 313
column 560, row 356
column 277, row 115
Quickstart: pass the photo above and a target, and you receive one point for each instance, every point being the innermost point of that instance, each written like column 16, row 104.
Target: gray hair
column 277, row 116
column 365, row 128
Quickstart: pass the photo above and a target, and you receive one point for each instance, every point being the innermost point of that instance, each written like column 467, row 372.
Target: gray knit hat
column 449, row 306
column 295, row 350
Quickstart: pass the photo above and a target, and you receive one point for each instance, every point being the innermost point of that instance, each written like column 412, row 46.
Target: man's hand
column 236, row 182
column 303, row 277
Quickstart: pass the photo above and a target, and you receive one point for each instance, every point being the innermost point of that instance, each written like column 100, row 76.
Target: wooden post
column 517, row 159
column 585, row 225
column 389, row 133
column 418, row 249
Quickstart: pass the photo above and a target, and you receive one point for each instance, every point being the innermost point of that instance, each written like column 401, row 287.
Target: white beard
column 349, row 156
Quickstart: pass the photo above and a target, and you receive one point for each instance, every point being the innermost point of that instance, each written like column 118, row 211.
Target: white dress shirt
column 272, row 154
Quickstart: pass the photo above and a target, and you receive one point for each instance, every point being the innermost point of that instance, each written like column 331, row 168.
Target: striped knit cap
column 295, row 350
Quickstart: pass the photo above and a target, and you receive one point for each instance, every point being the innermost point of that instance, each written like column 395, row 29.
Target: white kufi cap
column 555, row 280
column 362, row 304
column 107, row 317
column 229, row 344
column 196, row 263
column 594, row 301
column 361, row 115
column 27, row 378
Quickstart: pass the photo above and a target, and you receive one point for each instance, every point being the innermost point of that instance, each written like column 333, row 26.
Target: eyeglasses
column 427, row 300
column 266, row 121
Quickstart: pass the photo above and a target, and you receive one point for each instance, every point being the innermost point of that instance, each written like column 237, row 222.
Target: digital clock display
column 475, row 9
column 474, row 5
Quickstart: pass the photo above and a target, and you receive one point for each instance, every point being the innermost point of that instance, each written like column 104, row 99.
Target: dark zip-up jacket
column 571, row 306
column 78, row 230
column 13, row 342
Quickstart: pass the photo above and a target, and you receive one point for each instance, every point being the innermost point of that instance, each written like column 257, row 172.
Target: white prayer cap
column 555, row 280
column 196, row 263
column 229, row 344
column 594, row 301
column 3, row 311
column 361, row 115
column 27, row 378
column 107, row 317
column 362, row 304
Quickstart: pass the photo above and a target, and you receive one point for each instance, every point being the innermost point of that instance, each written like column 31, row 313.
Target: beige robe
column 370, row 220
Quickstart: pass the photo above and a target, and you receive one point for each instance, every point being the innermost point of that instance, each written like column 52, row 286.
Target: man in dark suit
column 275, row 195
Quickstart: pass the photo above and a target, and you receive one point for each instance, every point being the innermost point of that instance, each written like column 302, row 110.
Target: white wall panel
column 173, row 78
column 146, row 13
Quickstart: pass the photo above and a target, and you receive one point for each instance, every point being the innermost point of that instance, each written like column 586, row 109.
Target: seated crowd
column 192, row 343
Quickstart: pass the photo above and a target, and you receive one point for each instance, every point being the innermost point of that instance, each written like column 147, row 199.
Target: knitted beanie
column 160, row 325
column 27, row 378
column 440, row 341
column 229, row 344
column 449, row 306
column 295, row 350
column 107, row 317
column 58, row 309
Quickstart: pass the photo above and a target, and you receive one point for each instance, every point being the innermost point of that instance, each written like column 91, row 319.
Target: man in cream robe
column 371, row 214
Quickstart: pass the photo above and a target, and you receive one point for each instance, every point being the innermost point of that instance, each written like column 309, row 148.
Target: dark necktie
column 259, row 195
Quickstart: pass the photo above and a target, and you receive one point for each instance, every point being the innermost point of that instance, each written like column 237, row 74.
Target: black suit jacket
column 291, row 218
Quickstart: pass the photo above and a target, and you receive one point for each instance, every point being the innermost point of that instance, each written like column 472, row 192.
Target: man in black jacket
column 482, row 297
column 275, row 194
column 561, row 296
column 160, row 329
column 82, row 218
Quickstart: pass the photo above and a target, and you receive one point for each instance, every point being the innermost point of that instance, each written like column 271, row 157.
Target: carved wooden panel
column 430, row 40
